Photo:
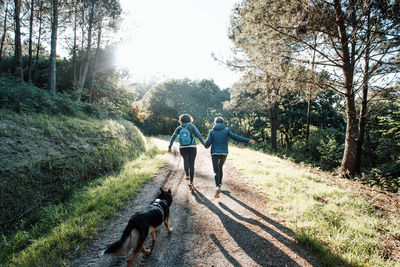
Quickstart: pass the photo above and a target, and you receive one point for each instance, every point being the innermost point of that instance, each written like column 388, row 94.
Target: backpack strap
column 186, row 127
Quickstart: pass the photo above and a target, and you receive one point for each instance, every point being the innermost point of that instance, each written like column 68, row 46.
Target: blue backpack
column 184, row 137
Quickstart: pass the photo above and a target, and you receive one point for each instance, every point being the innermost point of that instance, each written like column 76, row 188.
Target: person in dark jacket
column 188, row 151
column 218, row 140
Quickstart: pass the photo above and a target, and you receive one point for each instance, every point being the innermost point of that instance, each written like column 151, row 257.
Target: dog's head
column 165, row 195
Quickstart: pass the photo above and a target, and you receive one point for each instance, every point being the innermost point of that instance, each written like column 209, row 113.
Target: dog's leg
column 139, row 246
column 153, row 239
column 166, row 224
column 135, row 252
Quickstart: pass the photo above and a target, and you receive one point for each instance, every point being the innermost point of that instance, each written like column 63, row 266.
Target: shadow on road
column 232, row 260
column 259, row 214
column 287, row 242
column 255, row 246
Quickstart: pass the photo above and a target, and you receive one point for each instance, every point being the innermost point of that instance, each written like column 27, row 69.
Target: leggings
column 218, row 162
column 188, row 155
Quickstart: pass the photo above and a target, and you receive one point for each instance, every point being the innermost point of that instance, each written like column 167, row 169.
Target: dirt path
column 233, row 230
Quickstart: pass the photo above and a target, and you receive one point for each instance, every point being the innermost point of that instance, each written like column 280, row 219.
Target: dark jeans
column 218, row 162
column 188, row 155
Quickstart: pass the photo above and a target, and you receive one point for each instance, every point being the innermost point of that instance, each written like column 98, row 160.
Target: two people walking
column 217, row 139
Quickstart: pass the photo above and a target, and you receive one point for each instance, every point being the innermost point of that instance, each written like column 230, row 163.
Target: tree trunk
column 19, row 75
column 53, row 53
column 312, row 88
column 30, row 42
column 362, row 122
column 87, row 57
column 82, row 45
column 273, row 110
column 35, row 71
column 94, row 72
column 3, row 38
column 74, row 48
column 347, row 165
column 308, row 118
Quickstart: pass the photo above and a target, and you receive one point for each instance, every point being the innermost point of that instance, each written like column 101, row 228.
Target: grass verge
column 334, row 221
column 75, row 222
column 46, row 157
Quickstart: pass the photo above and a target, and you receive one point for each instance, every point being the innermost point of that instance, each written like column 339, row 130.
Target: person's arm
column 209, row 140
column 173, row 137
column 238, row 137
column 198, row 134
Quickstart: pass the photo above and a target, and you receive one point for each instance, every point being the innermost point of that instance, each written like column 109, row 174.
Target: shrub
column 25, row 97
column 325, row 147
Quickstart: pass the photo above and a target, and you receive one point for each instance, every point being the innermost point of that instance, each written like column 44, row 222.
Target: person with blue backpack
column 218, row 140
column 187, row 144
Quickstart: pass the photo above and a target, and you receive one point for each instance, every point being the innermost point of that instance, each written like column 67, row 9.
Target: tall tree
column 91, row 7
column 32, row 8
column 53, row 49
column 339, row 26
column 74, row 47
column 3, row 37
column 94, row 70
column 81, row 57
column 38, row 44
column 17, row 42
column 105, row 10
column 381, row 44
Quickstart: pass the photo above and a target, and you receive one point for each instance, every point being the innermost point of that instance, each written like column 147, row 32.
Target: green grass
column 334, row 221
column 45, row 157
column 72, row 224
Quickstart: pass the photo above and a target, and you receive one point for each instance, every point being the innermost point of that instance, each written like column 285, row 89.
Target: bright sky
column 175, row 39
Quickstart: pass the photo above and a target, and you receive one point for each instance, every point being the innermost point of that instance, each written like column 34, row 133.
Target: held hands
column 251, row 142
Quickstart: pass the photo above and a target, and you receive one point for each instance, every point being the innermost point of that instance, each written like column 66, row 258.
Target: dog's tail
column 118, row 247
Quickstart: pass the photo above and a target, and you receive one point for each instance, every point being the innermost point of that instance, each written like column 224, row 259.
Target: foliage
column 136, row 113
column 165, row 102
column 329, row 215
column 24, row 97
column 66, row 228
column 112, row 99
column 112, row 96
column 143, row 87
column 389, row 129
column 293, row 119
column 324, row 149
column 45, row 157
column 381, row 159
column 293, row 115
column 251, row 124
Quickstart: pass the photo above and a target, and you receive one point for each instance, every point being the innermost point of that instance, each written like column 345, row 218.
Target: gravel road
column 233, row 230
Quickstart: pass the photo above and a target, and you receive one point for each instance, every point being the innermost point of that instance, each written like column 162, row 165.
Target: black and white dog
column 139, row 226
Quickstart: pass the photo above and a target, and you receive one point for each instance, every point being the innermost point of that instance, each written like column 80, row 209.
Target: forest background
column 320, row 80
column 320, row 86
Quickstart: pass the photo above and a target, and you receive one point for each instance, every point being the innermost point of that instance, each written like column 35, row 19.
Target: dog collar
column 157, row 204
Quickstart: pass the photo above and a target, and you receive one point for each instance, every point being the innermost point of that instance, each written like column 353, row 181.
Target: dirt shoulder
column 233, row 230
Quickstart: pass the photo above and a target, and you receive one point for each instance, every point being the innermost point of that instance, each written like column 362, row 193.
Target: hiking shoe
column 217, row 192
column 186, row 177
column 191, row 187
